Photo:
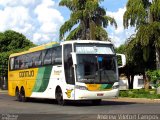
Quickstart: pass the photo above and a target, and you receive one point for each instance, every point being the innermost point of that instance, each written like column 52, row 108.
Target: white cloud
column 118, row 16
column 12, row 3
column 12, row 17
column 120, row 34
column 37, row 36
column 38, row 20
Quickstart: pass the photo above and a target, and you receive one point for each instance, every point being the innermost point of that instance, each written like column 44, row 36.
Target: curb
column 135, row 100
column 3, row 91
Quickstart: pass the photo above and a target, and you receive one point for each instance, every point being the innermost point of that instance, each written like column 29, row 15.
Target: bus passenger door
column 69, row 73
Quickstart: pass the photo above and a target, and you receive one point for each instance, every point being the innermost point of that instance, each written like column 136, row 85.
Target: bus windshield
column 96, row 68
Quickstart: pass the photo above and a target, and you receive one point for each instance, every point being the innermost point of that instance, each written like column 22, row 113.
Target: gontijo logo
column 26, row 73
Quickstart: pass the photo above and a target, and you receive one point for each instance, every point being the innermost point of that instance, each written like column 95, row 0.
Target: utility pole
column 1, row 76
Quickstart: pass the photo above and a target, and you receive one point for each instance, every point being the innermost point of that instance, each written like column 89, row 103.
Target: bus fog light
column 81, row 87
column 115, row 87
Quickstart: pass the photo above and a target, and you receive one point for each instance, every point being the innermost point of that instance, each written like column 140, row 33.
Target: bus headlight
column 115, row 87
column 81, row 87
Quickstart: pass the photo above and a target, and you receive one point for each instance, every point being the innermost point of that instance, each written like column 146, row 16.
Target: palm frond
column 135, row 14
column 149, row 33
column 108, row 19
column 91, row 6
column 67, row 26
column 77, row 15
column 67, row 3
column 155, row 10
column 75, row 34
column 103, row 36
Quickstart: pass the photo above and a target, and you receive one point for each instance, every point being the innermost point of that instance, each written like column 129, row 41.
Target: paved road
column 79, row 110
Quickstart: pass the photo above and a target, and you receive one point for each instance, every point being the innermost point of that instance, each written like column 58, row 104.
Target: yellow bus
column 71, row 70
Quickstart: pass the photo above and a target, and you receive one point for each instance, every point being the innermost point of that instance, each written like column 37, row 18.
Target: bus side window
column 30, row 59
column 33, row 59
column 48, row 57
column 11, row 63
column 26, row 58
column 38, row 58
column 16, row 63
column 22, row 60
column 57, row 56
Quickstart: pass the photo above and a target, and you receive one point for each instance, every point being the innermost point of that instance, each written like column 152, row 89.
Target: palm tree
column 87, row 20
column 145, row 16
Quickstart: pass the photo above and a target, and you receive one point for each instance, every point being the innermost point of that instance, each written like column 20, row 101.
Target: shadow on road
column 103, row 103
column 81, row 103
column 69, row 103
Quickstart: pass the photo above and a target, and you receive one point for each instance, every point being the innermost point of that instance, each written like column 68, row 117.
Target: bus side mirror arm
column 74, row 58
column 123, row 59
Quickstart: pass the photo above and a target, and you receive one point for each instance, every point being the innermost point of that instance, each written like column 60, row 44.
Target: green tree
column 87, row 20
column 136, row 65
column 11, row 42
column 145, row 16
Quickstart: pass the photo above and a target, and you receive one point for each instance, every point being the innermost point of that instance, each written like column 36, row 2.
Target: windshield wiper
column 90, row 78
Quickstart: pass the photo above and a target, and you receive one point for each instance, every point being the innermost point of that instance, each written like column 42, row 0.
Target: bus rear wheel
column 59, row 97
column 17, row 94
column 22, row 96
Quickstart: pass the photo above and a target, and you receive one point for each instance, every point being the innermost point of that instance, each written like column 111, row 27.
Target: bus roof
column 37, row 48
column 52, row 44
column 86, row 41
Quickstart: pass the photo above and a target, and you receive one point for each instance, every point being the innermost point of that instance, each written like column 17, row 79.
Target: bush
column 158, row 96
column 123, row 94
column 139, row 93
column 154, row 76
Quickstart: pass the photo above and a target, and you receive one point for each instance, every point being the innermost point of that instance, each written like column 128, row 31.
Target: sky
column 40, row 20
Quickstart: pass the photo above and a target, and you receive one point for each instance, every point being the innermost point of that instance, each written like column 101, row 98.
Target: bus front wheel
column 59, row 97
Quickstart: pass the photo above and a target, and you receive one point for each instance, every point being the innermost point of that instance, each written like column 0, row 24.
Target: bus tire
column 22, row 95
column 17, row 94
column 96, row 102
column 59, row 97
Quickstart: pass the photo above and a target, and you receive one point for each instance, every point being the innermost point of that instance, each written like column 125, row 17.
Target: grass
column 140, row 93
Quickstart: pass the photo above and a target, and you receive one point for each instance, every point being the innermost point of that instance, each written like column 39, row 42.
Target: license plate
column 99, row 94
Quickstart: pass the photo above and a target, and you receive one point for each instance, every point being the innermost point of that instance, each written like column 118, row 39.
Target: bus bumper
column 90, row 95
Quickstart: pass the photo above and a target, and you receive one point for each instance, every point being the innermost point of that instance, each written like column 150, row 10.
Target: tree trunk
column 157, row 50
column 130, row 81
column 83, row 37
column 128, row 77
column 157, row 58
column 146, row 82
column 92, row 30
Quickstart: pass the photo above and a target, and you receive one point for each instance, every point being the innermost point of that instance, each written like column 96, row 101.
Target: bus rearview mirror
column 74, row 58
column 121, row 60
